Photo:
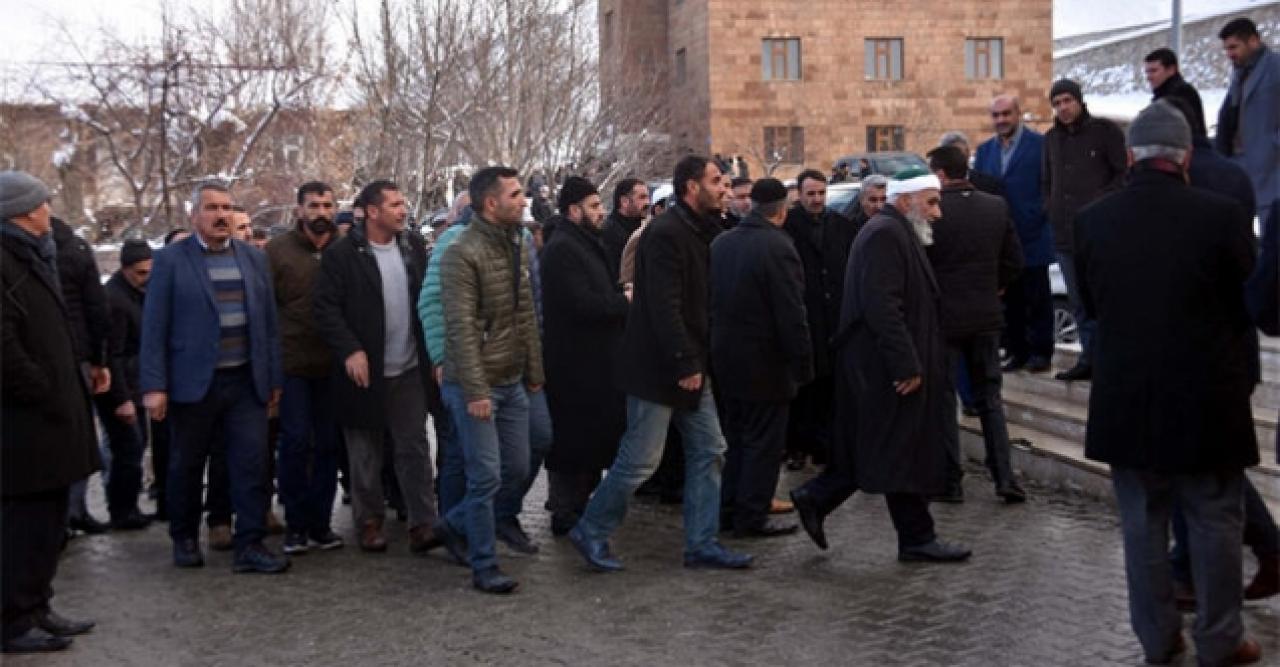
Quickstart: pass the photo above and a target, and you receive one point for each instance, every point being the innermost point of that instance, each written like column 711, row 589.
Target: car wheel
column 1064, row 322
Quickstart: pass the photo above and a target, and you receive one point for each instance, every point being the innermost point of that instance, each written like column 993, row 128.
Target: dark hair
column 371, row 195
column 1241, row 27
column 1164, row 56
column 810, row 174
column 168, row 238
column 689, row 168
column 950, row 160
column 484, row 182
column 316, row 188
column 624, row 188
column 739, row 182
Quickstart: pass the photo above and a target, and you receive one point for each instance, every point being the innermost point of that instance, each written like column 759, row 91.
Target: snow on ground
column 1125, row 106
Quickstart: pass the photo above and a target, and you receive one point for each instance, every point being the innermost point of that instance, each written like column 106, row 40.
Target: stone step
column 1067, row 418
column 1060, row 462
column 1265, row 398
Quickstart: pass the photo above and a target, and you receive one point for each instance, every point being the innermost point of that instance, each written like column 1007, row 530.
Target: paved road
column 1046, row 587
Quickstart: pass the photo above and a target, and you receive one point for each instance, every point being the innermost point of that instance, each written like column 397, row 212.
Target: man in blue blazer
column 1013, row 156
column 1249, row 121
column 211, row 362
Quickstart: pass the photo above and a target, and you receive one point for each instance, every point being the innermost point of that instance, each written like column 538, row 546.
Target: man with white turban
column 891, row 377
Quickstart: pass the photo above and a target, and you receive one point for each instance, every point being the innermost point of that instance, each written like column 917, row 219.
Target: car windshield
column 839, row 198
column 892, row 165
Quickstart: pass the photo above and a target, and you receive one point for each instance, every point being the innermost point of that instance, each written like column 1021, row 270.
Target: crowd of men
column 730, row 326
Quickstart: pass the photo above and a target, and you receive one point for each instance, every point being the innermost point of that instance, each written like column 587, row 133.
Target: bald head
column 1006, row 115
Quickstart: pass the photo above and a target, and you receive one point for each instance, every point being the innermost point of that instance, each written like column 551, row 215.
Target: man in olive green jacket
column 491, row 347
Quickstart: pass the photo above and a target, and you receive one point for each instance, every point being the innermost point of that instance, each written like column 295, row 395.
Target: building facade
column 789, row 84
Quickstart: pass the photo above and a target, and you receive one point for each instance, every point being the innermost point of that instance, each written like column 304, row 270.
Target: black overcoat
column 584, row 314
column 617, row 231
column 823, row 244
column 47, row 438
column 1162, row 268
column 890, row 332
column 124, row 303
column 760, row 345
column 349, row 316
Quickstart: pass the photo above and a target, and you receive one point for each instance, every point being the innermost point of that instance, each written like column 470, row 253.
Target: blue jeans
column 638, row 456
column 511, row 496
column 452, row 479
column 308, row 463
column 232, row 412
column 490, row 447
column 1084, row 324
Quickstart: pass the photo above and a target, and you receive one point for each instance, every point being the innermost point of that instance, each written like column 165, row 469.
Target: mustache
column 221, row 223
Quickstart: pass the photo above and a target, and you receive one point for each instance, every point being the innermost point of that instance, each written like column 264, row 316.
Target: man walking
column 975, row 256
column 1249, row 119
column 493, row 355
column 585, row 313
column 1160, row 67
column 1014, row 156
column 761, row 354
column 45, row 419
column 893, row 378
column 211, row 363
column 1083, row 159
column 662, row 369
column 630, row 202
column 309, row 435
column 1184, row 433
column 381, row 384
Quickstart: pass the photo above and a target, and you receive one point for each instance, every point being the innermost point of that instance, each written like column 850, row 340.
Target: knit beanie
column 1160, row 125
column 1066, row 86
column 574, row 190
column 134, row 251
column 20, row 193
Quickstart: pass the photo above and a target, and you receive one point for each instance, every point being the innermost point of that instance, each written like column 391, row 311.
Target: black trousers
column 909, row 511
column 979, row 356
column 33, row 528
column 809, row 426
column 568, row 492
column 1028, row 314
column 757, row 435
column 127, row 443
column 160, row 434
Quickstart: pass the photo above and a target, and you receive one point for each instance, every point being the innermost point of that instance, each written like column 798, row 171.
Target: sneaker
column 326, row 540
column 295, row 543
column 256, row 558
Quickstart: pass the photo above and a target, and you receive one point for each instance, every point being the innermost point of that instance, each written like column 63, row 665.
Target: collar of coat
column 1168, row 85
column 705, row 228
column 754, row 219
column 957, row 185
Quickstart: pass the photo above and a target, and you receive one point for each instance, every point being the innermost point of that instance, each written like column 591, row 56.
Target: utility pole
column 1175, row 29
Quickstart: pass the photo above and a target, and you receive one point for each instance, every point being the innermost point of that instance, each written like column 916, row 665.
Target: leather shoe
column 511, row 534
column 1247, row 653
column 371, row 538
column 58, row 626
column 35, row 640
column 1013, row 364
column 422, row 539
column 810, row 516
column 953, row 496
column 1012, row 493
column 256, row 558
column 779, row 506
column 454, row 543
column 492, row 580
column 1077, row 373
column 717, row 557
column 934, row 552
column 220, row 537
column 134, row 520
column 595, row 552
column 88, row 525
column 1267, row 581
column 769, row 528
column 186, row 553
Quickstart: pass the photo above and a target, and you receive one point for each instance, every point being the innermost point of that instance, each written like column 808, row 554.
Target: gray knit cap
column 20, row 193
column 1160, row 124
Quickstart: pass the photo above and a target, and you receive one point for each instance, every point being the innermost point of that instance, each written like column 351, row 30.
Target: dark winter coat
column 823, row 245
column 1021, row 183
column 975, row 254
column 667, row 336
column 585, row 314
column 47, row 437
column 541, row 209
column 1157, row 257
column 82, row 290
column 349, row 315
column 617, row 230
column 890, row 332
column 124, row 303
column 1082, row 161
column 1176, row 86
column 761, row 350
column 986, row 183
column 295, row 264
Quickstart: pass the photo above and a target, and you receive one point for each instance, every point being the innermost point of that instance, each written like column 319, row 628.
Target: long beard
column 923, row 229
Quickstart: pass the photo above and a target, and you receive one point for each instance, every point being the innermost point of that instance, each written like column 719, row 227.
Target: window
column 884, row 59
column 885, row 138
column 780, row 60
column 680, row 66
column 784, row 144
column 984, row 58
column 606, row 32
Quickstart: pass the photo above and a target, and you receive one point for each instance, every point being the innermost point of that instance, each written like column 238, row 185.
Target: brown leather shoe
column 422, row 539
column 1247, row 653
column 1267, row 581
column 220, row 538
column 781, row 506
column 371, row 538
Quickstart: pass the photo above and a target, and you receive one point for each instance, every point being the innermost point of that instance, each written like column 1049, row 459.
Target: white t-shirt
column 400, row 354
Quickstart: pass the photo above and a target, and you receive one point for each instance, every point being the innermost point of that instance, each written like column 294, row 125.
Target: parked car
column 1064, row 319
column 843, row 197
column 886, row 163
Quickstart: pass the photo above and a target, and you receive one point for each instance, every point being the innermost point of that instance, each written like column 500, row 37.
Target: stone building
column 802, row 83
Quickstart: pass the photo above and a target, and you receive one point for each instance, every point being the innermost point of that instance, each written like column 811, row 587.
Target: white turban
column 911, row 185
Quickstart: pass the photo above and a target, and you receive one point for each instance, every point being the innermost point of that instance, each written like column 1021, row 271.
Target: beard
column 920, row 223
column 320, row 226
